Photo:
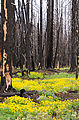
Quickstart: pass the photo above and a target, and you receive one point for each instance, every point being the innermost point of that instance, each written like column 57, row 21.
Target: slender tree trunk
column 48, row 33
column 40, row 41
column 57, row 45
column 4, row 38
column 50, row 54
column 57, row 36
column 7, row 37
column 73, row 40
column 28, row 38
column 10, row 32
column 32, row 57
column 77, row 35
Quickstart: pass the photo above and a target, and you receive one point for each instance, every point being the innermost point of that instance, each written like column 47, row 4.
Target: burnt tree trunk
column 7, row 36
column 10, row 32
column 4, row 37
column 40, row 41
column 57, row 44
column 77, row 37
column 28, row 38
column 48, row 32
column 73, row 40
column 50, row 9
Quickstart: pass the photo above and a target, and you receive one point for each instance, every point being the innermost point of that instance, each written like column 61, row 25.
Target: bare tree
column 40, row 41
column 27, row 38
column 77, row 36
column 7, row 24
column 50, row 9
column 73, row 40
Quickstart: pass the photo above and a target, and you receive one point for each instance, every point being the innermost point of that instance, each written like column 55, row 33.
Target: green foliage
column 36, row 75
column 65, row 68
column 19, row 74
column 5, row 115
column 60, row 75
column 18, row 68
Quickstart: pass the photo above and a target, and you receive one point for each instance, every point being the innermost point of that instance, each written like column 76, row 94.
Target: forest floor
column 57, row 96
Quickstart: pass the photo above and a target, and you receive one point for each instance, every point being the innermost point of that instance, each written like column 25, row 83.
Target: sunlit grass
column 60, row 75
column 35, row 75
column 65, row 68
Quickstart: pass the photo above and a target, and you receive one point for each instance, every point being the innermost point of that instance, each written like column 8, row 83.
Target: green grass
column 36, row 75
column 19, row 74
column 6, row 115
column 60, row 75
column 18, row 68
column 26, row 116
column 65, row 68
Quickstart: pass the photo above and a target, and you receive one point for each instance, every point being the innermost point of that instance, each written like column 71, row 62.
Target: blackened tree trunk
column 4, row 37
column 32, row 56
column 40, row 41
column 69, row 37
column 48, row 33
column 2, row 17
column 28, row 38
column 73, row 40
column 10, row 32
column 57, row 37
column 57, row 45
column 77, row 36
column 50, row 9
column 1, row 48
column 50, row 56
column 7, row 25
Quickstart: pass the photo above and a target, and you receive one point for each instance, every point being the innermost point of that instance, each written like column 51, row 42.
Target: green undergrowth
column 25, row 116
column 65, row 68
column 60, row 75
column 36, row 75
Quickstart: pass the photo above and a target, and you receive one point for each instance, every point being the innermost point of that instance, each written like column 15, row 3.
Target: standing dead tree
column 77, row 36
column 7, row 37
column 40, row 39
column 73, row 40
column 28, row 38
column 58, row 25
column 48, row 31
column 50, row 11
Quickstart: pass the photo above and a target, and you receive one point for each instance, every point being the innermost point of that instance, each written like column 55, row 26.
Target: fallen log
column 31, row 92
column 26, row 94
column 8, row 94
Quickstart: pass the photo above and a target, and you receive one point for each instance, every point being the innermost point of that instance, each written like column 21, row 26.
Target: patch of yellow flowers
column 48, row 85
column 17, row 104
